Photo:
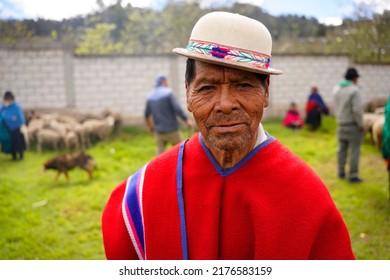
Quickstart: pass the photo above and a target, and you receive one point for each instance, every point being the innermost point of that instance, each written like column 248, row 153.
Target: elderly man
column 232, row 191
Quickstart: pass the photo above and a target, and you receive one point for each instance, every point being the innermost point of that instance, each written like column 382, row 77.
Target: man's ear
column 187, row 95
column 266, row 92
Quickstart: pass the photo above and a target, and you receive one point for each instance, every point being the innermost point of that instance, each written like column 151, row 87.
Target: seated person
column 293, row 118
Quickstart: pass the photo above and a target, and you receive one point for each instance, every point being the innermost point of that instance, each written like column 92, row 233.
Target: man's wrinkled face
column 227, row 105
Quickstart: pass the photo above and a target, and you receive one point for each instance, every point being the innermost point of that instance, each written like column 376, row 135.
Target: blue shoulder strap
column 180, row 198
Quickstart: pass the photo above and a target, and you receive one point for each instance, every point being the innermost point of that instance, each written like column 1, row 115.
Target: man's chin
column 228, row 141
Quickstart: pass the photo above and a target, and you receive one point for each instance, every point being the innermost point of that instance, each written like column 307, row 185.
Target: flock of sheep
column 77, row 131
column 74, row 132
column 374, row 119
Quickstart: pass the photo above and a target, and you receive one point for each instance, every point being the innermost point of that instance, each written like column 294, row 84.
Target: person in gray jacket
column 349, row 117
column 162, row 109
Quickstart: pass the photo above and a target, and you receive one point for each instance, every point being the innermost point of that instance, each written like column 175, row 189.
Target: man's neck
column 228, row 159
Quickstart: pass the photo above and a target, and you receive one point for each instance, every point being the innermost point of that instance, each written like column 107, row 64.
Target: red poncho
column 183, row 205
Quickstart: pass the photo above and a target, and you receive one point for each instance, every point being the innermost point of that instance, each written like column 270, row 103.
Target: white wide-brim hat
column 231, row 40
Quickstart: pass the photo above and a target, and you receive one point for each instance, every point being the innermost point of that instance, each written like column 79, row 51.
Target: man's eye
column 244, row 85
column 206, row 88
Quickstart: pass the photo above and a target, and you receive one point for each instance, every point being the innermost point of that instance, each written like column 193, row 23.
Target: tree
column 179, row 18
column 129, row 30
column 143, row 32
column 117, row 15
column 12, row 31
column 366, row 37
column 98, row 41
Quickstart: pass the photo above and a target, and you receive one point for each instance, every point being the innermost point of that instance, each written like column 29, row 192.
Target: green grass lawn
column 41, row 218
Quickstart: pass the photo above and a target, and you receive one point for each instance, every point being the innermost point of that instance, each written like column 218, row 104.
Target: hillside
column 127, row 30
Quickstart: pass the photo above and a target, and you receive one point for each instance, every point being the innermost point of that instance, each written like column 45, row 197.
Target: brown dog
column 65, row 163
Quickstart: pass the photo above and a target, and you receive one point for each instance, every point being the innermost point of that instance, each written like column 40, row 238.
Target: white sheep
column 377, row 131
column 368, row 121
column 48, row 136
column 66, row 119
column 56, row 129
column 32, row 129
column 80, row 131
column 57, row 126
column 71, row 140
column 99, row 128
column 380, row 110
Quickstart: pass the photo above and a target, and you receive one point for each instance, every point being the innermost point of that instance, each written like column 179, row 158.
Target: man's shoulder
column 168, row 160
column 165, row 162
column 346, row 90
column 353, row 88
column 159, row 93
column 280, row 156
column 290, row 174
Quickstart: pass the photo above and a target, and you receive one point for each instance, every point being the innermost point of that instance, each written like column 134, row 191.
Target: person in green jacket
column 349, row 117
column 386, row 139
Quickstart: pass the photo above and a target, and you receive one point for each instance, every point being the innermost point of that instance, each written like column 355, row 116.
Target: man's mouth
column 227, row 128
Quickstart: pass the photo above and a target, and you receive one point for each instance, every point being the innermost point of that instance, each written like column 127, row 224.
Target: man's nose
column 227, row 100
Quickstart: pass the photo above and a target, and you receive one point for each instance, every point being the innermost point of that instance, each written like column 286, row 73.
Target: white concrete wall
column 53, row 78
column 35, row 76
column 300, row 73
column 120, row 83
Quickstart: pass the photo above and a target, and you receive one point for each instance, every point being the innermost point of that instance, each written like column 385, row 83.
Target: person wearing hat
column 349, row 117
column 232, row 191
column 13, row 118
column 160, row 115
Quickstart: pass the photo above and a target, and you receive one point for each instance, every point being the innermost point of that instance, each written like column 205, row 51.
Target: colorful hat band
column 257, row 60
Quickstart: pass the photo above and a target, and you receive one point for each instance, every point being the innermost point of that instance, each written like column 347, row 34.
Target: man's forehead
column 208, row 71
